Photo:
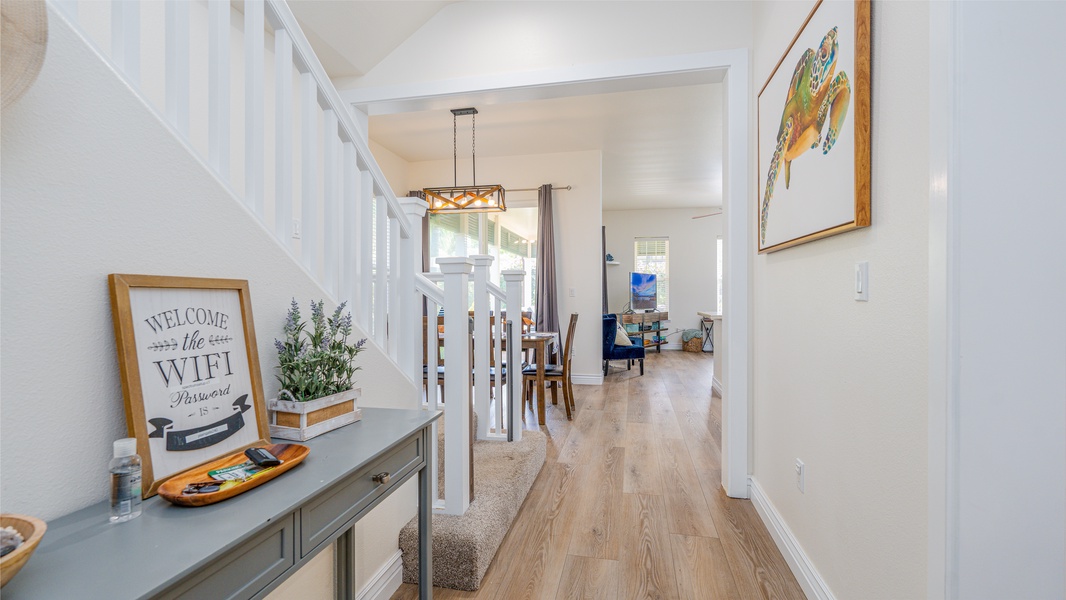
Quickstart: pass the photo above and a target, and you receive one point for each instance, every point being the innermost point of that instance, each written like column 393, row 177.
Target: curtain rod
column 537, row 188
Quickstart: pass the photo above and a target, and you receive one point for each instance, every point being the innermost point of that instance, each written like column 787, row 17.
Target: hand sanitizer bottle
column 125, row 481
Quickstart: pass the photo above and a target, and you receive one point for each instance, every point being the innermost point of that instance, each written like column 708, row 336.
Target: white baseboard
column 717, row 386
column 808, row 577
column 385, row 582
column 671, row 346
column 587, row 379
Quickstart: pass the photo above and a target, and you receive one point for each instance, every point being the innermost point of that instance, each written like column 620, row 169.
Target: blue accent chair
column 613, row 352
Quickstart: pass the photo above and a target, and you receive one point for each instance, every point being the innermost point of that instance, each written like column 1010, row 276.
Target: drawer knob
column 382, row 478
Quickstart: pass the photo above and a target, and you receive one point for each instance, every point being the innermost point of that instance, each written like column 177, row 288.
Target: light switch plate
column 862, row 281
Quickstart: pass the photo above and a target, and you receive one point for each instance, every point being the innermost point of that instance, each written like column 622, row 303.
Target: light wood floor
column 629, row 503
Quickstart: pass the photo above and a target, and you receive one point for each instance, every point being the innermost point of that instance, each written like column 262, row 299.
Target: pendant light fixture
column 471, row 198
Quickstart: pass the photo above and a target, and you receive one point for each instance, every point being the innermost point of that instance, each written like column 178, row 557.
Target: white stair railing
column 498, row 406
column 308, row 158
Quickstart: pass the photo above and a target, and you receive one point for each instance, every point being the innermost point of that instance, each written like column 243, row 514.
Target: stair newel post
column 513, row 279
column 411, row 263
column 482, row 263
column 458, row 471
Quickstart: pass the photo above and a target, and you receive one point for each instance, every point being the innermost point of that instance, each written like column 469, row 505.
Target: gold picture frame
column 817, row 114
column 189, row 366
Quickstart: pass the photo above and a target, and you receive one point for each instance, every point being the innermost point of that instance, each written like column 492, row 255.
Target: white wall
column 577, row 231
column 693, row 259
column 93, row 184
column 527, row 36
column 1002, row 318
column 841, row 384
column 392, row 166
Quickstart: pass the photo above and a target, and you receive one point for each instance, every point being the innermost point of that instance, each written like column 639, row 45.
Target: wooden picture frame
column 816, row 115
column 190, row 371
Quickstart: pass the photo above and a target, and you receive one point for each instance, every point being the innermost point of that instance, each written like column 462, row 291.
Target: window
column 719, row 274
column 652, row 255
column 510, row 238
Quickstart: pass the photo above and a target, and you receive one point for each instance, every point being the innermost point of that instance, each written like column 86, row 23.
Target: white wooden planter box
column 301, row 421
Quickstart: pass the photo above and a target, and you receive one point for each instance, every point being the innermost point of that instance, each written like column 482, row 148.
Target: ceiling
column 351, row 38
column 661, row 139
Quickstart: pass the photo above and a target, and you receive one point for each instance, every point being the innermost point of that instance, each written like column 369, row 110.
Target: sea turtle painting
column 817, row 94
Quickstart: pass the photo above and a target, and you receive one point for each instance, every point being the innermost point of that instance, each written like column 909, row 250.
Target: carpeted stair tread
column 464, row 546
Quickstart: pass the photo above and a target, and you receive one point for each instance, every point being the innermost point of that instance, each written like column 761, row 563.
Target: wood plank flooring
column 629, row 503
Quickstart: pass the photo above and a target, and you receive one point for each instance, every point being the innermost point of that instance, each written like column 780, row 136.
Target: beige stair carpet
column 464, row 546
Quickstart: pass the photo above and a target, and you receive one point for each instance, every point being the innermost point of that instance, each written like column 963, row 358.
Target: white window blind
column 652, row 255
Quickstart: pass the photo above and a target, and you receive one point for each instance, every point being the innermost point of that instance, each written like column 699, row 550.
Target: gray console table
column 246, row 546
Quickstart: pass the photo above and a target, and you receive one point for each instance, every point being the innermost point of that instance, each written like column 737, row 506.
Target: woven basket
column 693, row 345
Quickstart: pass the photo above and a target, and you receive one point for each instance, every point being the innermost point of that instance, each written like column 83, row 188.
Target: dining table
column 543, row 345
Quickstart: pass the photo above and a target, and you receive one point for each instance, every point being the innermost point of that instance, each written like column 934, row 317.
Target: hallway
column 629, row 502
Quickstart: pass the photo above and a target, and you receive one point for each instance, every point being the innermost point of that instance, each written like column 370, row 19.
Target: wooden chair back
column 568, row 345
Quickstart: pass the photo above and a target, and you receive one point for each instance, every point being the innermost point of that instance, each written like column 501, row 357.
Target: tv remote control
column 261, row 457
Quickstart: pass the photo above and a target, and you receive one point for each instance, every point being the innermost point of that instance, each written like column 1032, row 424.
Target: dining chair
column 556, row 375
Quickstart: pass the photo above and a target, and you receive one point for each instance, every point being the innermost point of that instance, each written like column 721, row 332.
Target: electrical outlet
column 800, row 474
column 296, row 229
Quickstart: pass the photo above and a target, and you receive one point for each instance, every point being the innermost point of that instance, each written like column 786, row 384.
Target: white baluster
column 482, row 262
column 283, row 147
column 395, row 314
column 254, row 105
column 497, row 359
column 309, row 175
column 177, row 65
column 512, row 279
column 126, row 38
column 350, row 219
column 457, row 469
column 331, row 218
column 218, row 76
column 432, row 389
column 366, row 258
column 381, row 270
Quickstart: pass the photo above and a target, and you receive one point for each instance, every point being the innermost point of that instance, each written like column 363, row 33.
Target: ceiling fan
column 718, row 212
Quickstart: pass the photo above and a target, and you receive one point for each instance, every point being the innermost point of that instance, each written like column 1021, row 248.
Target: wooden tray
column 290, row 455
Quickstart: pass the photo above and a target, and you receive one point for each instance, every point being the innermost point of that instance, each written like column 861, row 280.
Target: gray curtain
column 547, row 298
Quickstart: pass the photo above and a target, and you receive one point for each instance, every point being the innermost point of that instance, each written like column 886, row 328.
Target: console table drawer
column 247, row 569
column 326, row 515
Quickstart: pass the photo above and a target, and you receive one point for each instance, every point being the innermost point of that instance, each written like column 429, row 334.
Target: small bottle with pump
column 125, row 481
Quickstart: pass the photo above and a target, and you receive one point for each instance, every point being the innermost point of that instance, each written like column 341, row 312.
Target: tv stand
column 647, row 324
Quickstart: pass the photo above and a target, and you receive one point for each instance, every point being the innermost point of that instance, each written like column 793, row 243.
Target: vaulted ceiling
column 661, row 146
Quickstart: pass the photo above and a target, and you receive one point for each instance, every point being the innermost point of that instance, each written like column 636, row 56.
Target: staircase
column 246, row 95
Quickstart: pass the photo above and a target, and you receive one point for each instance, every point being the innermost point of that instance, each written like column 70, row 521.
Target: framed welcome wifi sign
column 190, row 370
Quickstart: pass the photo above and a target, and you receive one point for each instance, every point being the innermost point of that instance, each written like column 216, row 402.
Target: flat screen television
column 642, row 291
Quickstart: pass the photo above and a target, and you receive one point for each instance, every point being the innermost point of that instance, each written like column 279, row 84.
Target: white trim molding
column 386, row 581
column 943, row 513
column 586, row 379
column 716, row 386
column 729, row 66
column 808, row 577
